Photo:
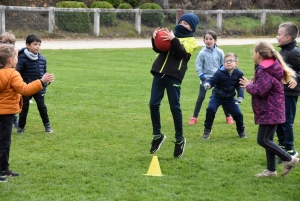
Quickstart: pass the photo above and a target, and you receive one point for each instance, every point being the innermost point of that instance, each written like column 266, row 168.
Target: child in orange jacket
column 12, row 87
column 9, row 38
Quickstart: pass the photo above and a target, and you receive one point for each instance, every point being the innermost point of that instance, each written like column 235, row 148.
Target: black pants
column 265, row 137
column 6, row 123
column 39, row 99
column 161, row 83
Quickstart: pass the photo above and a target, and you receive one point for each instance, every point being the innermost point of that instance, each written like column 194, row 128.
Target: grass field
column 99, row 150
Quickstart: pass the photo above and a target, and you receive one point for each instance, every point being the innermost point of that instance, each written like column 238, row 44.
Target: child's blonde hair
column 267, row 51
column 6, row 51
column 231, row 54
column 8, row 37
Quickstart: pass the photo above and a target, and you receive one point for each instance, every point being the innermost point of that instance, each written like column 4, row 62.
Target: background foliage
column 179, row 4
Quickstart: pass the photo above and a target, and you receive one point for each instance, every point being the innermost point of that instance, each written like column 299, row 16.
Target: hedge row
column 83, row 22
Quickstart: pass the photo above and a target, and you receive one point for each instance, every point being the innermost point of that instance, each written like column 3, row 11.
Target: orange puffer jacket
column 12, row 87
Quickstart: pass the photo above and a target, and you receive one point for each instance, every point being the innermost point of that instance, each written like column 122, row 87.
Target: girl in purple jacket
column 268, row 104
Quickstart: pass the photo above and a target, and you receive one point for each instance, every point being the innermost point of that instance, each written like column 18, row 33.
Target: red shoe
column 229, row 120
column 193, row 120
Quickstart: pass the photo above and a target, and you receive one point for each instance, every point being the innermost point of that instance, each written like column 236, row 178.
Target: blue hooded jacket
column 226, row 85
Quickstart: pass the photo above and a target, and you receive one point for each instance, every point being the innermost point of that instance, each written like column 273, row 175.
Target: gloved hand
column 202, row 78
column 240, row 99
column 206, row 86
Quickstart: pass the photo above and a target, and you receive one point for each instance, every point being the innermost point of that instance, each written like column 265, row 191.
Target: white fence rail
column 138, row 12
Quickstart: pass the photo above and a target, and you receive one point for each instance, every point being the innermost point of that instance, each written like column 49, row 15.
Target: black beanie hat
column 192, row 19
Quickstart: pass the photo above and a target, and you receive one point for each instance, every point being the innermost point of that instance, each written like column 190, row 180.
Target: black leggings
column 265, row 138
column 6, row 122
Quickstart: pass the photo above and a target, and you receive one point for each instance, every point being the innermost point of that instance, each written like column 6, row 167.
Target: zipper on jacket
column 180, row 64
column 163, row 66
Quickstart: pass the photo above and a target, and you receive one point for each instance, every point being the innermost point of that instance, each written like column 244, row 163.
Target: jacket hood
column 4, row 79
column 21, row 50
column 275, row 70
column 2, row 87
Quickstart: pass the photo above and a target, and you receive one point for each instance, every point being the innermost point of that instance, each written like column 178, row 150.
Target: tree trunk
column 162, row 3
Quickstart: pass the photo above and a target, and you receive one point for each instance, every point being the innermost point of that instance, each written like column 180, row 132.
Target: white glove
column 240, row 99
column 206, row 86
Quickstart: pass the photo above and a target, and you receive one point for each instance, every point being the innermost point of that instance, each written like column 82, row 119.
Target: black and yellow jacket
column 174, row 62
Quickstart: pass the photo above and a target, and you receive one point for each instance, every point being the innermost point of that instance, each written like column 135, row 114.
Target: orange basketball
column 160, row 44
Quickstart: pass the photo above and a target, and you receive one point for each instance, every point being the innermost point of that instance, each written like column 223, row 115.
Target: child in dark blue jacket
column 32, row 65
column 225, row 82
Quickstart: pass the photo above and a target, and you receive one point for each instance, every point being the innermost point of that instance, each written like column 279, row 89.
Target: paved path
column 131, row 43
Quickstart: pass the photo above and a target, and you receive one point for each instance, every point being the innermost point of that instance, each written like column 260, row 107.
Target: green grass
column 98, row 107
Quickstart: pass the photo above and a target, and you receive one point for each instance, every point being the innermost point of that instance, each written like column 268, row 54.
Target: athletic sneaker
column 179, row 147
column 48, row 128
column 229, row 120
column 20, row 130
column 193, row 120
column 156, row 143
column 9, row 173
column 206, row 134
column 292, row 152
column 242, row 134
column 3, row 179
column 288, row 166
column 15, row 125
column 267, row 173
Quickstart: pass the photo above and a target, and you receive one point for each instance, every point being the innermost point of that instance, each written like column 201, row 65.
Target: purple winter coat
column 268, row 102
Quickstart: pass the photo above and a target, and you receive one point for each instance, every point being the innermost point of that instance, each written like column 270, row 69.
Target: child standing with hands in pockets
column 268, row 104
column 12, row 87
column 208, row 61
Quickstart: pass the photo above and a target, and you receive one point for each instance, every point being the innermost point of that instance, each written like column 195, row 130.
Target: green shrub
column 125, row 16
column 106, row 18
column 114, row 3
column 65, row 20
column 152, row 19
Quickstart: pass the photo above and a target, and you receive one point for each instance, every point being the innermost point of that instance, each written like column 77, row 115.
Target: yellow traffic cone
column 154, row 168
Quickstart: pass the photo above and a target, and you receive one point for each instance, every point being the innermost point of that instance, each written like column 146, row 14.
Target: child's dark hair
column 212, row 33
column 290, row 29
column 6, row 51
column 267, row 51
column 32, row 38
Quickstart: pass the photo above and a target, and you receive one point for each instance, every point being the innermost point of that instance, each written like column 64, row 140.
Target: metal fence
column 47, row 20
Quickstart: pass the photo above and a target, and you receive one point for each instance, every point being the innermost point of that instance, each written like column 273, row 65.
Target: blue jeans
column 231, row 106
column 285, row 131
column 200, row 99
column 172, row 86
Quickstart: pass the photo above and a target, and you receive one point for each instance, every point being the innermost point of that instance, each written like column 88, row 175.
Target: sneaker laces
column 177, row 144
